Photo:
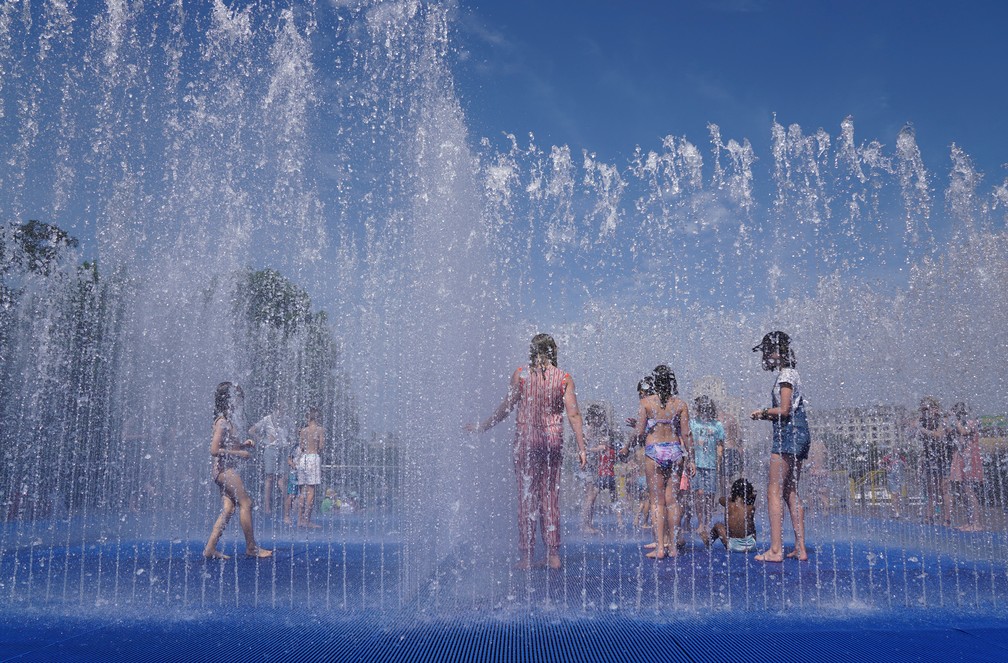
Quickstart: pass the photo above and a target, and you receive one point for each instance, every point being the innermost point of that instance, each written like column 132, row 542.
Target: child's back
column 738, row 532
column 741, row 518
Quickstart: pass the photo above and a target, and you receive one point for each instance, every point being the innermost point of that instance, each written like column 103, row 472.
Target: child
column 663, row 423
column 226, row 450
column 645, row 388
column 642, row 518
column 790, row 447
column 709, row 439
column 967, row 465
column 738, row 532
column 602, row 452
column 309, row 466
column 329, row 501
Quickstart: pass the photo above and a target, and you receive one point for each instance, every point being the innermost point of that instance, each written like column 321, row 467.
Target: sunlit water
column 185, row 146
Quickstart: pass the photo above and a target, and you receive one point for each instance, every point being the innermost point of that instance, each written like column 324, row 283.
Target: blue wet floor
column 271, row 635
column 320, row 599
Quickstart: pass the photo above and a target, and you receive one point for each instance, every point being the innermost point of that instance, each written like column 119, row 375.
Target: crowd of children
column 616, row 464
column 679, row 460
column 676, row 454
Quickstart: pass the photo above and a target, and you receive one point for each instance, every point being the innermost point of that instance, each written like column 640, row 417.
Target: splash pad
column 192, row 152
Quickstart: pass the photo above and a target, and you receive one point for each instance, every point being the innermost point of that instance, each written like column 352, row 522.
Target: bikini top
column 651, row 423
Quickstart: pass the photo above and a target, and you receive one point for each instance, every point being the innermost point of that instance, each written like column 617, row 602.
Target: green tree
column 57, row 350
column 289, row 353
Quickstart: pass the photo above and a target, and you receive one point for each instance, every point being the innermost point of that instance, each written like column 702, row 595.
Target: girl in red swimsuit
column 542, row 393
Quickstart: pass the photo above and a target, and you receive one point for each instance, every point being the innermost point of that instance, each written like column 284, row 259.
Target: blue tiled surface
column 342, row 600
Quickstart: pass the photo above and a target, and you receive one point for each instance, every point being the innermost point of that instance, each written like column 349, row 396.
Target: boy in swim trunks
column 311, row 441
column 738, row 532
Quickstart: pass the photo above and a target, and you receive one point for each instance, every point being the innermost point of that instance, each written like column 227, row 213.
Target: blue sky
column 611, row 75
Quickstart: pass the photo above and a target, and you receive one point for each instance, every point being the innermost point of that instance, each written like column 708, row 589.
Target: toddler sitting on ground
column 738, row 533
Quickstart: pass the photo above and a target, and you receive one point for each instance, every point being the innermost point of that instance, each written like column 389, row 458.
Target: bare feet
column 523, row 564
column 801, row 556
column 650, row 546
column 553, row 561
column 768, row 556
column 259, row 552
column 705, row 537
column 215, row 554
column 656, row 554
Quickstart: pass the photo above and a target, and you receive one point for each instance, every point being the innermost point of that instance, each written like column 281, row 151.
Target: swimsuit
column 538, row 455
column 309, row 470
column 224, row 462
column 746, row 544
column 665, row 454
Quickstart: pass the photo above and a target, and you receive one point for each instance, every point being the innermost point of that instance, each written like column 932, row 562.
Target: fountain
column 289, row 198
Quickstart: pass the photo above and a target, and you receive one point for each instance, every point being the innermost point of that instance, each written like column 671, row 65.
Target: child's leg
column 946, row 495
column 721, row 532
column 973, row 508
column 674, row 514
column 775, row 508
column 795, row 507
column 288, row 503
column 268, row 492
column 656, row 490
column 227, row 510
column 235, row 489
column 302, row 491
column 309, row 505
column 588, row 507
column 548, row 484
column 704, row 505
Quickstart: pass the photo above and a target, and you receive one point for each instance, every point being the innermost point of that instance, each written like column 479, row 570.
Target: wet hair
column 742, row 489
column 595, row 415
column 704, row 407
column 543, row 345
column 646, row 385
column 930, row 413
column 314, row 414
column 781, row 343
column 665, row 384
column 224, row 399
column 960, row 411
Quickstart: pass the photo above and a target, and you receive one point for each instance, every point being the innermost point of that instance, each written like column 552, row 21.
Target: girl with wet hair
column 937, row 447
column 790, row 447
column 663, row 423
column 543, row 349
column 542, row 393
column 226, row 449
column 601, row 474
column 966, row 474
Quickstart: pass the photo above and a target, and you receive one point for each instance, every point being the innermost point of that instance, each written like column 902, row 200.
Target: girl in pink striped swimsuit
column 542, row 393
